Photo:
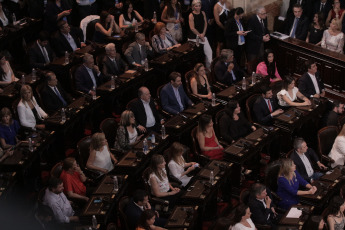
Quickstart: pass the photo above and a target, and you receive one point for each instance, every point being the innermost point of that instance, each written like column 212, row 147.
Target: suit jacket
column 231, row 36
column 133, row 54
column 169, row 101
column 36, row 57
column 307, row 6
column 138, row 109
column 51, row 101
column 109, row 69
column 26, row 116
column 207, row 6
column 306, row 86
column 51, row 13
column 133, row 213
column 325, row 11
column 61, row 45
column 254, row 38
column 261, row 111
column 224, row 76
column 312, row 157
column 259, row 212
column 83, row 81
column 301, row 29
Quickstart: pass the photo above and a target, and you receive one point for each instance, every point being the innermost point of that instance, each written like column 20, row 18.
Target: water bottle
column 63, row 115
column 253, row 78
column 136, row 29
column 112, row 82
column 153, row 138
column 211, row 177
column 94, row 222
column 94, row 97
column 66, row 58
column 14, row 19
column 154, row 19
column 116, row 184
column 145, row 146
column 244, row 84
column 213, row 99
column 33, row 75
column 197, row 41
column 23, row 79
column 31, row 146
column 146, row 65
column 163, row 132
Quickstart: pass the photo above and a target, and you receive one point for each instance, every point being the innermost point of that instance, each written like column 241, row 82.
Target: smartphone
column 190, row 188
column 97, row 201
column 287, row 115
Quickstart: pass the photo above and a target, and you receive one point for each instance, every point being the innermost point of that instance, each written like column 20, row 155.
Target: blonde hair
column 175, row 153
column 195, row 2
column 23, row 89
column 155, row 161
column 337, row 22
column 125, row 118
column 96, row 141
column 285, row 169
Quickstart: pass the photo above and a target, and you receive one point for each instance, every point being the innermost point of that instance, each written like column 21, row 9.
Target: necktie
column 269, row 106
column 294, row 28
column 233, row 75
column 45, row 55
column 60, row 97
column 241, row 29
column 115, row 65
column 263, row 25
column 322, row 6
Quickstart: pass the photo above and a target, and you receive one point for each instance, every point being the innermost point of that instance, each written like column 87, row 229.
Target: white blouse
column 338, row 151
column 240, row 226
column 132, row 137
column 176, row 170
column 103, row 159
column 163, row 185
column 284, row 92
column 333, row 43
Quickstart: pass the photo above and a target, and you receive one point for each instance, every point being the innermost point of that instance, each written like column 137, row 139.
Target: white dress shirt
column 307, row 165
column 316, row 86
column 150, row 119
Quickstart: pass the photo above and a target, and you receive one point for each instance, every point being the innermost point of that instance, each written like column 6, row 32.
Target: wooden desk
column 106, row 186
column 7, row 180
column 306, row 211
column 183, row 216
column 100, row 206
column 220, row 169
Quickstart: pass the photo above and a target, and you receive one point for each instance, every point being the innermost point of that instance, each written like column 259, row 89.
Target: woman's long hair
column 175, row 151
column 320, row 20
column 125, row 118
column 285, row 169
column 125, row 11
column 204, row 120
column 238, row 213
column 196, row 70
column 230, row 108
column 144, row 217
column 155, row 161
column 334, row 206
column 102, row 18
column 271, row 67
column 171, row 11
column 288, row 80
column 96, row 141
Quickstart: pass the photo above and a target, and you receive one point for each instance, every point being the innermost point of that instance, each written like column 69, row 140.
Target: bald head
column 144, row 94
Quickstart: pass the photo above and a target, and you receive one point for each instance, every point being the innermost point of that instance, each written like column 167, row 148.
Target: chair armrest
column 327, row 159
column 174, row 180
column 263, row 226
column 160, row 201
column 223, row 143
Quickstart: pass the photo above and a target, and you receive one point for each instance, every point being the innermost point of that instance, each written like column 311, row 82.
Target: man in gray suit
column 137, row 52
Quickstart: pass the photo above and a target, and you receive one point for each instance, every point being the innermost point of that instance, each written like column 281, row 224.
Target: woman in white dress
column 338, row 150
column 177, row 165
column 333, row 38
column 241, row 219
column 129, row 17
column 100, row 158
column 6, row 72
column 290, row 93
column 172, row 16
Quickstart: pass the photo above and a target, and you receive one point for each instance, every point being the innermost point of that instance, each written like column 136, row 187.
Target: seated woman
column 31, row 115
column 269, row 66
column 338, row 150
column 316, row 30
column 159, row 182
column 199, row 83
column 289, row 182
column 315, row 222
column 129, row 16
column 240, row 219
column 6, row 72
column 100, row 159
column 105, row 27
column 8, row 129
column 233, row 125
column 162, row 41
column 289, row 93
column 147, row 220
column 126, row 134
column 177, row 164
column 172, row 16
column 335, row 13
column 335, row 213
column 207, row 139
column 333, row 38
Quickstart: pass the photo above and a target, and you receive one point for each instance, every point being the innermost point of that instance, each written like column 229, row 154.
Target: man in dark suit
column 173, row 97
column 40, row 53
column 310, row 84
column 112, row 63
column 305, row 158
column 53, row 95
column 297, row 25
column 307, row 6
column 265, row 108
column 332, row 118
column 323, row 6
column 67, row 39
column 226, row 69
column 137, row 52
column 258, row 35
column 261, row 205
column 145, row 112
column 136, row 206
column 87, row 76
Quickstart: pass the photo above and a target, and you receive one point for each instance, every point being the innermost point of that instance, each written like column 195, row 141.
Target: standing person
column 220, row 12
column 259, row 34
column 335, row 211
column 333, row 38
column 105, row 27
column 172, row 16
column 316, row 29
column 55, row 11
column 198, row 28
column 269, row 66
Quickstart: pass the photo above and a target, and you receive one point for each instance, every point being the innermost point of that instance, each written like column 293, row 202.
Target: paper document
column 294, row 213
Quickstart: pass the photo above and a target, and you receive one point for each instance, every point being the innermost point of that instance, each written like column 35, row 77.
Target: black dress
column 219, row 31
column 199, row 23
column 202, row 89
column 99, row 37
column 315, row 35
column 233, row 130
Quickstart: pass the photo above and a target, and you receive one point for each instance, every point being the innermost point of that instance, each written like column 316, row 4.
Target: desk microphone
column 183, row 116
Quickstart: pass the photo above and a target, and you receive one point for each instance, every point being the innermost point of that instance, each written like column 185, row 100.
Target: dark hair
column 5, row 112
column 170, row 9
column 264, row 89
column 235, row 11
column 125, row 11
column 257, row 189
column 139, row 195
column 155, row 161
column 238, row 213
column 313, row 222
column 297, row 6
column 145, row 216
column 204, row 120
column 320, row 20
column 309, row 63
column 54, row 182
column 196, row 70
column 271, row 67
column 334, row 205
column 174, row 75
column 43, row 36
column 288, row 80
column 49, row 75
column 336, row 103
column 103, row 17
column 68, row 163
column 230, row 108
column 239, row 11
column 61, row 23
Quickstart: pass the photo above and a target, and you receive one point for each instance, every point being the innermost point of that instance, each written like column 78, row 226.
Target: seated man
column 265, row 108
column 226, row 68
column 332, row 118
column 73, row 180
column 297, row 25
column 137, row 52
column 173, row 97
column 113, row 65
column 40, row 53
column 310, row 84
column 304, row 159
column 261, row 205
column 53, row 95
column 136, row 206
column 88, row 76
column 67, row 39
column 144, row 109
column 57, row 201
